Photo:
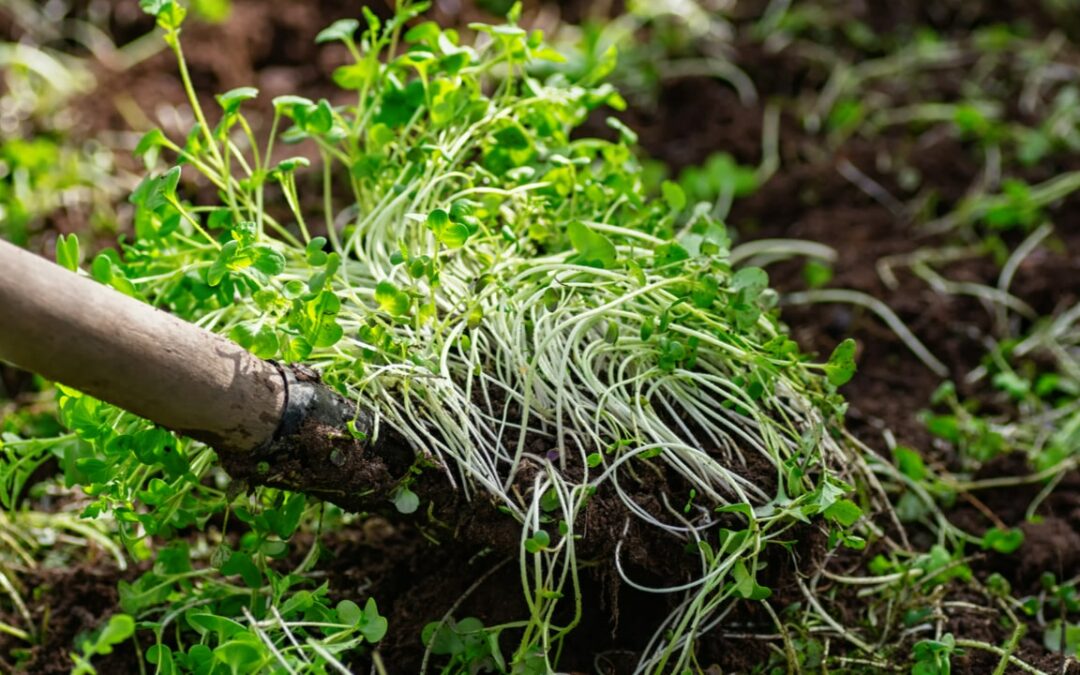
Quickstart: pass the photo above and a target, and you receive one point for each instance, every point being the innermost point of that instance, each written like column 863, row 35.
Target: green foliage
column 593, row 249
column 934, row 657
column 170, row 14
column 1062, row 638
column 1014, row 208
column 1062, row 600
column 37, row 175
column 366, row 620
column 841, row 366
column 537, row 542
column 976, row 437
column 488, row 278
column 67, row 252
column 469, row 645
column 1002, row 541
column 846, row 116
column 817, row 274
column 718, row 177
column 214, row 11
column 119, row 628
column 406, row 501
column 44, row 166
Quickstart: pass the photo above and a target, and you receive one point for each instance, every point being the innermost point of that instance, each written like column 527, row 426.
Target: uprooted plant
column 505, row 298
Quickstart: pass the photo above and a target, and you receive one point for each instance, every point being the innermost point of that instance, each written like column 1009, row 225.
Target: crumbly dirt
column 64, row 603
column 973, row 620
column 325, row 462
column 419, row 582
column 1051, row 540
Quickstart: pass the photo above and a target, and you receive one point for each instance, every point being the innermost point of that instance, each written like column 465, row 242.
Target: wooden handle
column 92, row 338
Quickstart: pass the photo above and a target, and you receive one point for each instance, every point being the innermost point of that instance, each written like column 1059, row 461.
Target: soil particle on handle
column 325, row 462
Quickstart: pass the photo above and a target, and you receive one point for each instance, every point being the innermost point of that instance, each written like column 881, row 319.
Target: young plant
column 119, row 628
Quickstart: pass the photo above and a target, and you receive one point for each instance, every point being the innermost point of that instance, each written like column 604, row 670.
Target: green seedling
column 1062, row 638
column 119, row 628
column 934, row 657
column 468, row 644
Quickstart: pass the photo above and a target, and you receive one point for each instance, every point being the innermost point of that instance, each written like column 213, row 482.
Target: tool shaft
column 90, row 337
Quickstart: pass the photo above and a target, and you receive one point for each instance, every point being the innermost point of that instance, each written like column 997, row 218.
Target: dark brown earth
column 807, row 198
column 65, row 603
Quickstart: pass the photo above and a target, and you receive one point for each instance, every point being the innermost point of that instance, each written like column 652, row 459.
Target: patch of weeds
column 978, row 439
column 1056, row 609
column 484, row 281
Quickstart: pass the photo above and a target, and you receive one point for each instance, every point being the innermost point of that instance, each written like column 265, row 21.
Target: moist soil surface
column 66, row 603
column 811, row 196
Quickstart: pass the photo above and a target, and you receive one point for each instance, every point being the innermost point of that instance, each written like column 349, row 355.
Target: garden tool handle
column 70, row 329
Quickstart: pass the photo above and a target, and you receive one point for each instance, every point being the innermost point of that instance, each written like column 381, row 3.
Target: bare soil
column 66, row 603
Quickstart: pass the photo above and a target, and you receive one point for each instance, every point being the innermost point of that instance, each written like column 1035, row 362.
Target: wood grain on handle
column 90, row 337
